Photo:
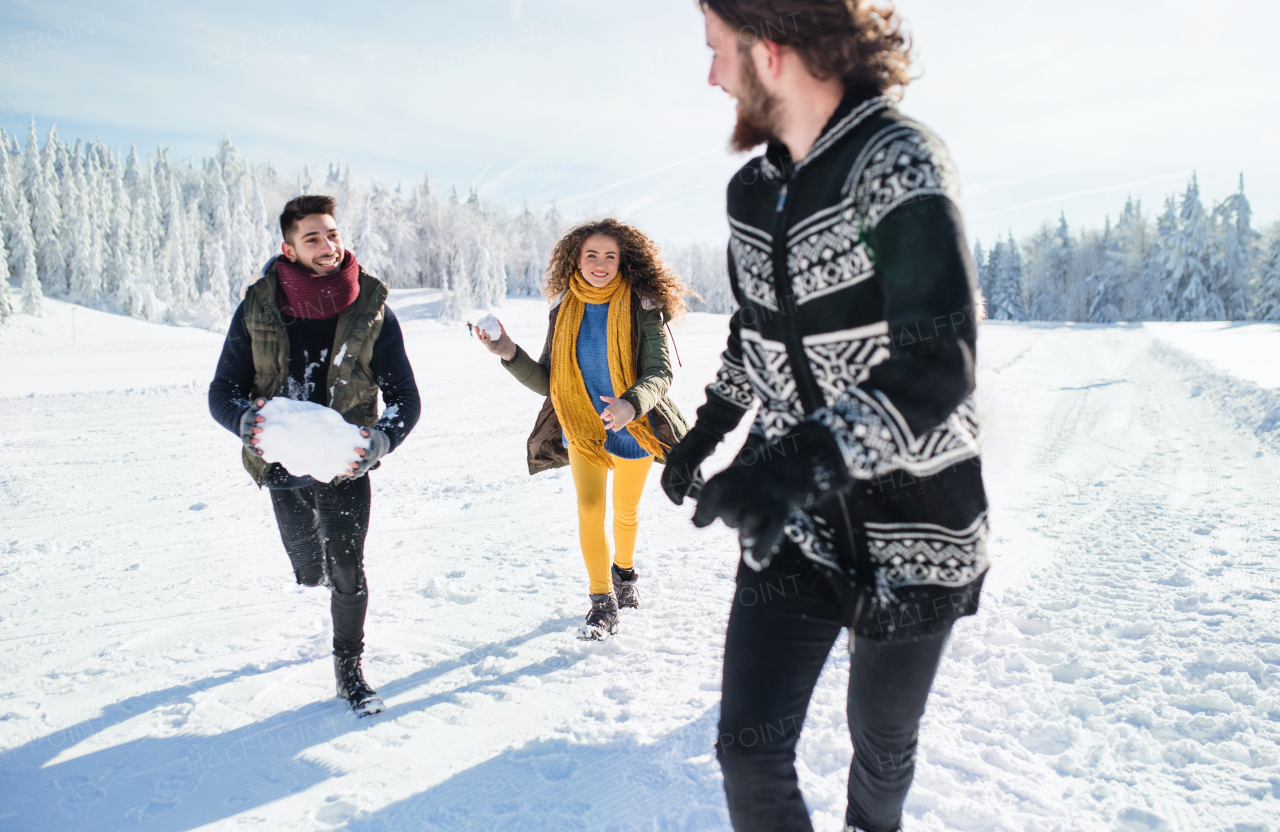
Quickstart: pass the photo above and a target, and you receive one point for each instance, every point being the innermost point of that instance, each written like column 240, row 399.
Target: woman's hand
column 618, row 414
column 503, row 346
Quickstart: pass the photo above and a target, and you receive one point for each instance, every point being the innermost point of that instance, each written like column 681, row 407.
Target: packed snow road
column 162, row 672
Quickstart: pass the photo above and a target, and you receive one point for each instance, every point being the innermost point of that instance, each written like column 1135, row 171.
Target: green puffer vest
column 353, row 389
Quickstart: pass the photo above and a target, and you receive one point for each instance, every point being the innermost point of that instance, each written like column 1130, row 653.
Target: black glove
column 682, row 472
column 249, row 421
column 379, row 446
column 767, row 482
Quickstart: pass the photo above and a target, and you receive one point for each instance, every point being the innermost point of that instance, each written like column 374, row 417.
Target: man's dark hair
column 304, row 206
column 860, row 42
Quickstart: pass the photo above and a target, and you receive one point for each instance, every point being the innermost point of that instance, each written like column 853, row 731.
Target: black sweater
column 310, row 344
column 856, row 293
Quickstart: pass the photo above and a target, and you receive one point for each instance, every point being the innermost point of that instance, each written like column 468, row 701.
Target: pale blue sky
column 602, row 105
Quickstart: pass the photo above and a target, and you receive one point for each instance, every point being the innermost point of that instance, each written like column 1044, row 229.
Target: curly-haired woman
column 605, row 371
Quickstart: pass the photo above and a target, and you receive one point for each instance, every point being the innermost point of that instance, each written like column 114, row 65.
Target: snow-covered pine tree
column 488, row 277
column 32, row 170
column 216, row 205
column 1233, row 253
column 1005, row 297
column 192, row 235
column 142, row 296
column 15, row 223
column 481, row 265
column 6, row 299
column 369, row 246
column 1186, row 262
column 46, row 215
column 260, row 235
column 426, row 220
column 119, row 261
column 307, row 183
column 1105, row 281
column 8, row 201
column 1266, row 286
column 85, row 263
column 214, row 307
column 1051, row 280
column 997, row 296
column 404, row 252
column 458, row 299
column 99, row 180
column 22, row 244
column 499, row 281
column 171, row 250
column 531, row 275
column 1134, row 245
column 1158, row 303
column 66, row 163
column 980, row 267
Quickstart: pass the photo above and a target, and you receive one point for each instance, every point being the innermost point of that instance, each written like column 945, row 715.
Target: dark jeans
column 782, row 625
column 323, row 528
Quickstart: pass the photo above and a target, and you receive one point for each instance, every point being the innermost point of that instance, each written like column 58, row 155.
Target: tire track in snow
column 1134, row 671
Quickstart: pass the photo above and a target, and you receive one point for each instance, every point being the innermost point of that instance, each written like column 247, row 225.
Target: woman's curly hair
column 639, row 260
column 861, row 42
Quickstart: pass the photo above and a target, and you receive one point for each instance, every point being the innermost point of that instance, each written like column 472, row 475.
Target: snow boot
column 353, row 688
column 624, row 587
column 602, row 621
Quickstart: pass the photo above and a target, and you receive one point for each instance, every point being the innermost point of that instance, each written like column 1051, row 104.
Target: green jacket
column 648, row 395
column 352, row 387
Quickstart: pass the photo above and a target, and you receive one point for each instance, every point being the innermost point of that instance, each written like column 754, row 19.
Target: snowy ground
column 160, row 670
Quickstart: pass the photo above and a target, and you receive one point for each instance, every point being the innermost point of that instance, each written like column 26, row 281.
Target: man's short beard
column 756, row 110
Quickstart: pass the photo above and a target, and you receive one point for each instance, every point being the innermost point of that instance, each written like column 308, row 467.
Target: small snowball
column 308, row 439
column 491, row 326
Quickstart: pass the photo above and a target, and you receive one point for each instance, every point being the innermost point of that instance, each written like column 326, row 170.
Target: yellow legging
column 589, row 479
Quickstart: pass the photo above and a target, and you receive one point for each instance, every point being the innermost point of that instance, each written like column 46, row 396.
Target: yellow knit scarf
column 577, row 413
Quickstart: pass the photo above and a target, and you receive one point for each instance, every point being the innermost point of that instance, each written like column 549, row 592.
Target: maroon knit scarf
column 305, row 294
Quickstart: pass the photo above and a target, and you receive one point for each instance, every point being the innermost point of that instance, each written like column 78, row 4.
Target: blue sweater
column 593, row 360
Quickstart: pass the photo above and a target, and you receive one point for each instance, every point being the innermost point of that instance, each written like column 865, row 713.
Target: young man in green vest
column 316, row 328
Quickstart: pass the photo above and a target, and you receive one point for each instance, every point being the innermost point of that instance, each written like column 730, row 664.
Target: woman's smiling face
column 598, row 261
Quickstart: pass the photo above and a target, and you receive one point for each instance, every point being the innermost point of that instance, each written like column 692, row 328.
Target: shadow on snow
column 183, row 781
column 559, row 786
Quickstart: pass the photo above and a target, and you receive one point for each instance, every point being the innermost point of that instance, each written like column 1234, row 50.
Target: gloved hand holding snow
column 491, row 326
column 308, row 439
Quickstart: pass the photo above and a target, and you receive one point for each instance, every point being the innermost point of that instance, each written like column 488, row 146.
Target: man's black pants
column 782, row 625
column 323, row 528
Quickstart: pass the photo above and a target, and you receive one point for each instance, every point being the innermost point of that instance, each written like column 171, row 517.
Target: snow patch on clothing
column 308, row 439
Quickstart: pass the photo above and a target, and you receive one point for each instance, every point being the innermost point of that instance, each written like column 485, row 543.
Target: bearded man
column 858, row 496
column 316, row 328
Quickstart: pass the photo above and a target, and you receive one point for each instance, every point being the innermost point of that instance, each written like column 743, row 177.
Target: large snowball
column 491, row 327
column 308, row 439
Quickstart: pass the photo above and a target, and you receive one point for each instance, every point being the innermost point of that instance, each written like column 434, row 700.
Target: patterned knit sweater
column 856, row 291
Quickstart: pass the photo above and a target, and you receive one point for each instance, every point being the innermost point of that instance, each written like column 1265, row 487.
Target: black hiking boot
column 353, row 688
column 624, row 587
column 602, row 621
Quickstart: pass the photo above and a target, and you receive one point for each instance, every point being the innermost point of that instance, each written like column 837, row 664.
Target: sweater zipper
column 806, row 387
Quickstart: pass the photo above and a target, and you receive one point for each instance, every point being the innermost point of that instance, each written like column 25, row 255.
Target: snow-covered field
column 159, row 669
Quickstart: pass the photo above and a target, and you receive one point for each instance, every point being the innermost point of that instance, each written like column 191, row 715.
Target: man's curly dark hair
column 859, row 41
